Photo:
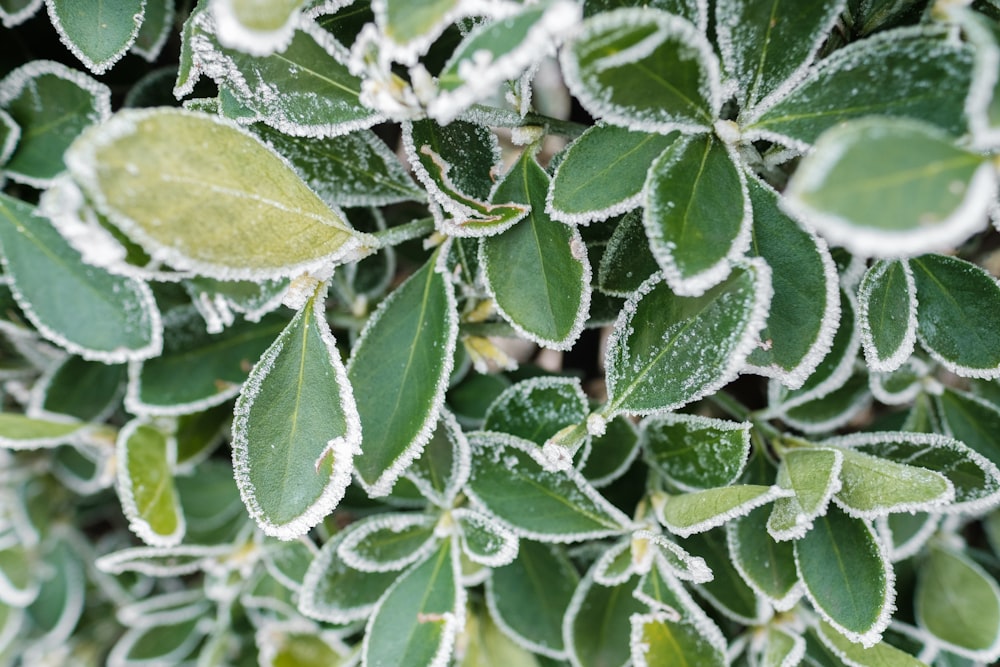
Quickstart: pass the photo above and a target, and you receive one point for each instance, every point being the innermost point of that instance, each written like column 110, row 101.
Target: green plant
column 270, row 389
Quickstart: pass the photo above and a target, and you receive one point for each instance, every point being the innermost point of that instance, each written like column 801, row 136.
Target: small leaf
column 696, row 452
column 483, row 540
column 157, row 25
column 537, row 271
column 603, row 173
column 765, row 44
column 537, row 408
column 727, row 591
column 13, row 13
column 872, row 487
column 442, row 468
column 334, row 592
column 611, row 454
column 467, row 154
column 956, row 316
column 85, row 390
column 780, row 648
column 766, row 565
column 699, row 511
column 19, row 580
column 416, row 621
column 887, row 314
column 671, row 557
column 627, row 261
column 656, row 639
column 298, row 647
column 399, row 371
column 938, row 193
column 254, row 27
column 846, row 576
column 121, row 315
column 388, row 542
column 57, row 608
column 884, row 75
column 697, row 213
column 410, row 28
column 971, row 420
column 10, row 135
column 959, row 604
column 167, row 643
column 528, row 598
column 48, row 105
column 615, row 67
column 596, row 628
column 20, row 432
column 146, row 457
column 683, row 347
column 97, row 33
column 851, row 653
column 814, row 476
column 163, row 561
column 805, row 308
column 296, row 428
column 158, row 174
column 539, row 504
column 487, row 646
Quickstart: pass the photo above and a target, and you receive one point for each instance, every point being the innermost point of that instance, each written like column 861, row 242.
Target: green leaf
column 971, row 420
column 699, row 511
column 158, row 174
column 958, row 602
column 494, row 52
column 846, row 576
column 805, row 307
column 443, row 467
column 57, row 291
column 814, row 476
column 696, row 452
column 299, row 649
column 603, row 173
column 487, row 646
column 611, row 454
column 957, row 315
column 388, row 542
column 199, row 433
column 537, row 271
column 537, row 408
column 627, row 261
column 656, row 639
column 938, row 193
column 399, row 370
column 256, row 27
column 467, row 153
column 10, row 135
column 884, row 75
column 615, row 67
column 198, row 370
column 697, row 213
column 872, row 486
column 683, row 347
column 157, row 25
column 416, row 621
column 334, row 592
column 529, row 597
column 164, row 561
column 596, row 628
column 20, row 432
column 355, row 169
column 412, row 27
column 19, row 580
column 296, row 428
column 13, row 13
column 764, row 44
column 727, row 591
column 146, row 457
column 484, row 540
column 48, row 105
column 96, row 32
column 85, row 390
column 767, row 566
column 166, row 643
column 887, row 314
column 508, row 481
column 780, row 648
column 850, row 653
column 319, row 96
column 288, row 561
column 59, row 604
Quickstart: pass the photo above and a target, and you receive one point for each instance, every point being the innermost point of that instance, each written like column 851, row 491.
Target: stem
column 405, row 232
column 730, row 405
column 508, row 118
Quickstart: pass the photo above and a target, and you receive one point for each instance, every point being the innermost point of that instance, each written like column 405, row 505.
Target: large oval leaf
column 399, row 370
column 296, row 428
column 160, row 174
column 668, row 350
column 99, row 316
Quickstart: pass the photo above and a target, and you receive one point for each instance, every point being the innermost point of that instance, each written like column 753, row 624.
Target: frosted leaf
column 16, row 13
column 84, row 469
column 670, row 555
column 168, row 642
column 615, row 566
column 872, row 487
column 254, row 27
column 484, row 540
column 146, row 457
column 19, row 432
column 901, row 386
column 163, row 609
column 388, row 542
column 658, row 638
column 766, row 566
column 901, row 540
column 10, row 134
column 499, row 51
column 287, row 562
column 609, row 66
column 157, row 26
column 293, row 453
column 537, row 408
column 442, row 469
column 696, row 452
column 813, row 475
column 162, row 562
column 51, row 104
column 887, row 300
column 834, row 410
column 58, row 392
column 700, row 511
column 96, row 34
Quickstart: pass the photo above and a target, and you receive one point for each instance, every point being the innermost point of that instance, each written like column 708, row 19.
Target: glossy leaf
column 50, row 104
column 846, row 576
column 97, row 33
column 399, row 371
column 614, row 66
column 697, row 213
column 603, row 173
column 955, row 315
column 158, row 174
column 146, row 457
column 887, row 315
column 684, row 347
column 938, row 193
column 537, row 271
column 416, row 621
column 122, row 319
column 510, row 483
column 296, row 428
column 696, row 452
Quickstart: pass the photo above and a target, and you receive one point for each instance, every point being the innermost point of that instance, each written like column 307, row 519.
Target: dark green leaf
column 696, row 452
column 627, row 260
column 887, row 314
column 536, row 409
column 767, row 566
column 333, row 591
column 97, row 33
